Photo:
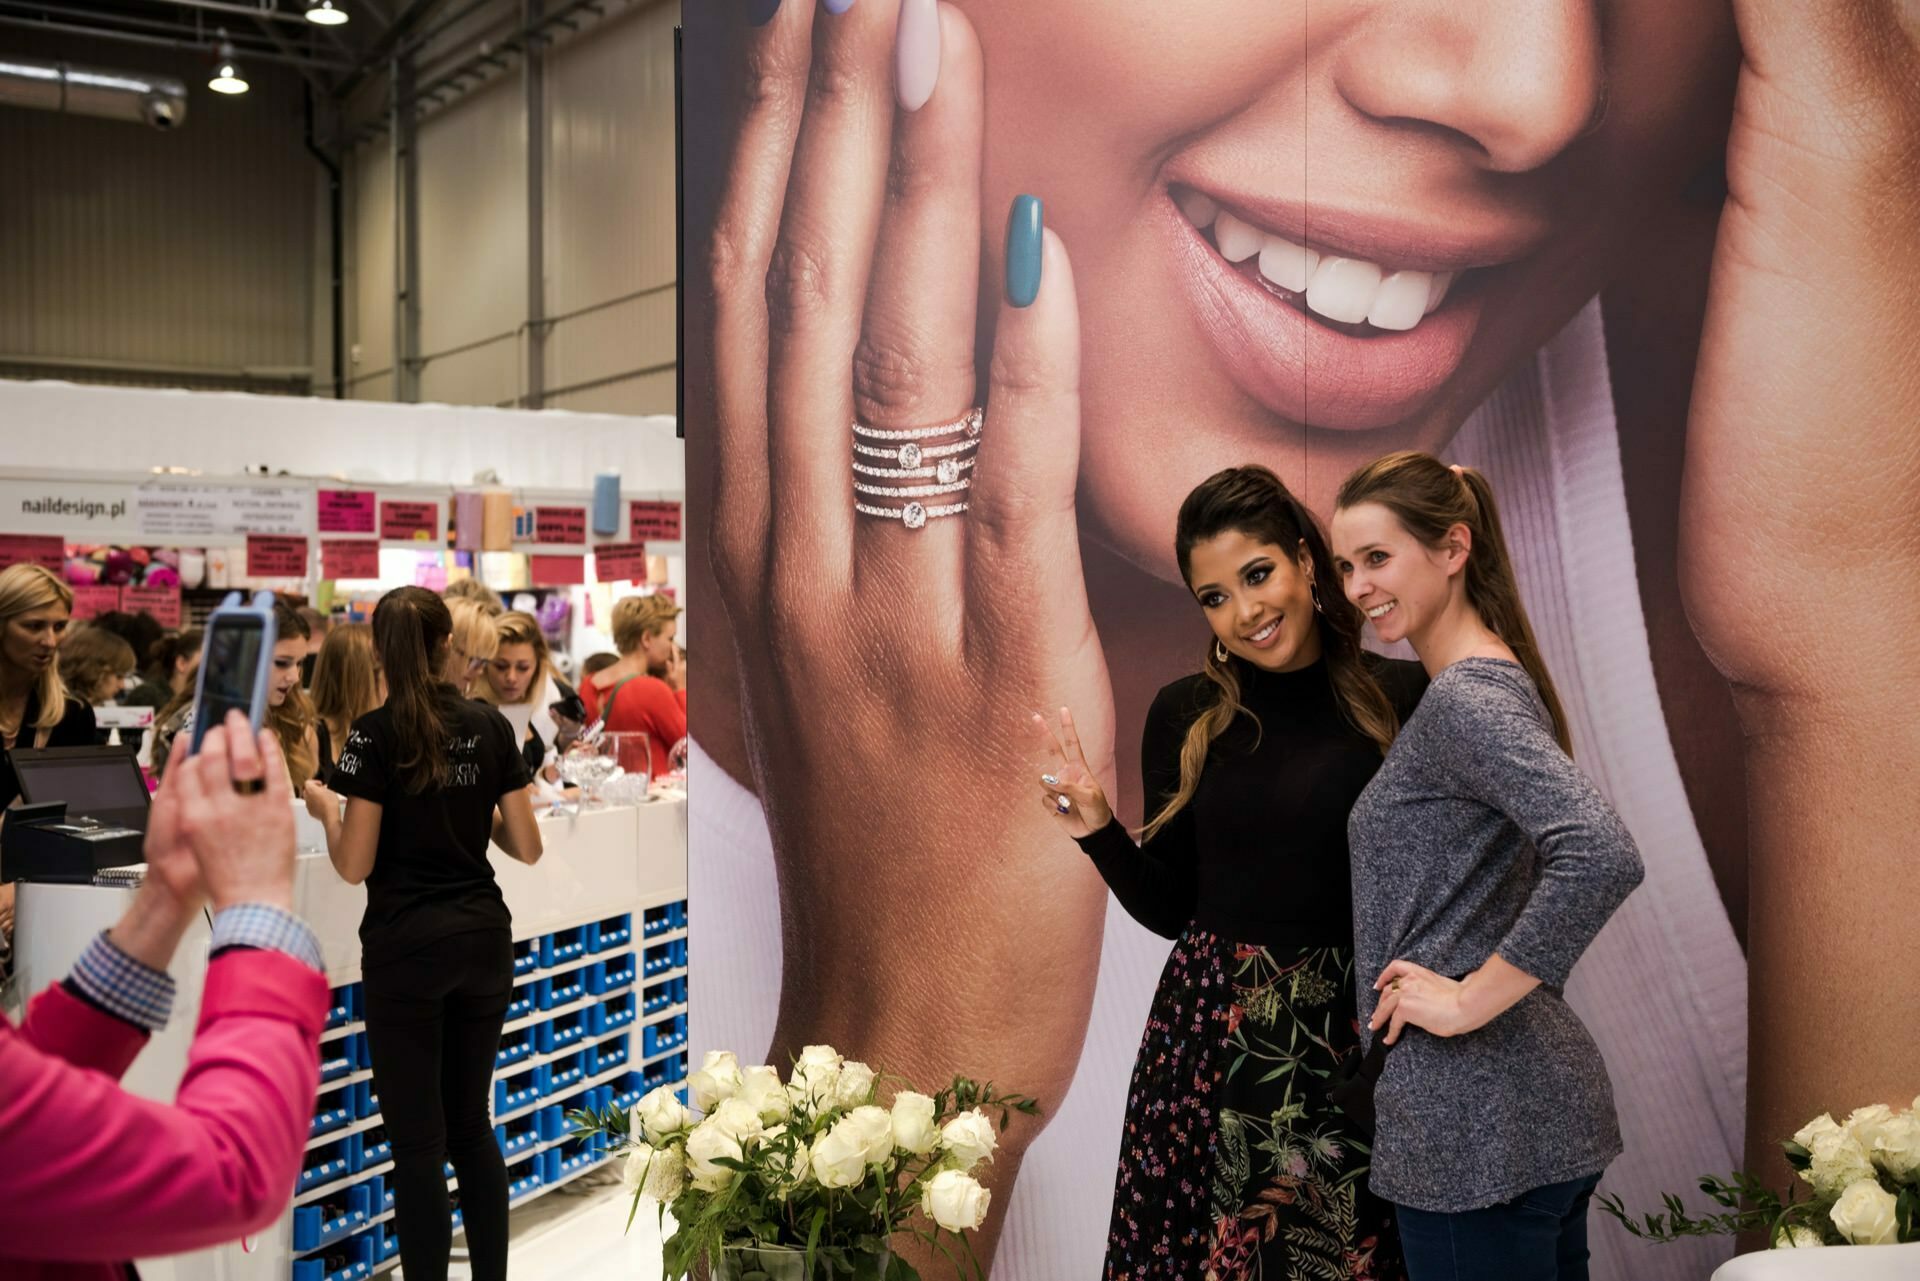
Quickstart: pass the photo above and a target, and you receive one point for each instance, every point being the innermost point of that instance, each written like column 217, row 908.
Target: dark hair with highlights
column 410, row 626
column 1255, row 502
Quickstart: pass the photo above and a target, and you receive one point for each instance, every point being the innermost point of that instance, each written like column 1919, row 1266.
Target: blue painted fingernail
column 1024, row 223
column 838, row 6
column 760, row 12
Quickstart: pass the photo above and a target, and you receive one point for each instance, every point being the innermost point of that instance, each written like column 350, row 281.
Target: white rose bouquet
column 814, row 1167
column 1865, row 1180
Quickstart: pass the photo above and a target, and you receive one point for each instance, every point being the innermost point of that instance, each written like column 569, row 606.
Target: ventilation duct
column 159, row 101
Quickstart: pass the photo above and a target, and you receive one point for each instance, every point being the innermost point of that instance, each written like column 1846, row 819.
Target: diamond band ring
column 946, row 462
column 913, row 515
column 968, row 422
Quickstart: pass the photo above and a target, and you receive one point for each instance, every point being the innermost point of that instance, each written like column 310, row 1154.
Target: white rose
column 968, row 1139
column 1822, row 1124
column 1864, row 1213
column 861, row 1138
column 660, row 1173
column 1797, row 1239
column 760, row 1086
column 659, row 1114
column 1891, row 1139
column 955, row 1201
column 855, row 1085
column 739, row 1118
column 1838, row 1161
column 718, row 1079
column 710, row 1141
column 816, row 1075
column 913, row 1127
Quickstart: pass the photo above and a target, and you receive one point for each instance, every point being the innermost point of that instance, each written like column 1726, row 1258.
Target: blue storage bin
column 514, row 1046
column 563, row 990
column 551, row 1122
column 607, row 1055
column 598, row 1099
column 616, row 1012
column 562, row 946
column 657, row 997
column 353, row 1257
column 339, row 1007
column 381, row 1198
column 378, row 1148
column 512, row 1093
column 365, row 1102
column 677, row 913
column 574, row 1155
column 524, row 1178
column 517, row 1136
column 549, row 1165
column 656, row 960
column 338, row 1058
column 611, row 976
column 657, row 1038
column 563, row 1074
column 655, row 921
column 615, row 931
column 386, row 1244
column 315, row 1226
column 558, row 1034
column 526, row 957
column 626, row 1092
column 330, row 1163
column 679, row 947
column 333, row 1111
column 525, row 999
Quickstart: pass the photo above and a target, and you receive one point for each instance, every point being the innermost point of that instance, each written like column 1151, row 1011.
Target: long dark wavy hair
column 1255, row 502
column 1429, row 498
column 410, row 627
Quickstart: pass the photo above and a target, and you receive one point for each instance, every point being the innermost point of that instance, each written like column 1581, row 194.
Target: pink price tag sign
column 48, row 552
column 346, row 511
column 349, row 558
column 93, row 600
column 560, row 525
column 410, row 522
column 654, row 522
column 620, row 563
column 276, row 556
column 163, row 603
column 557, row 571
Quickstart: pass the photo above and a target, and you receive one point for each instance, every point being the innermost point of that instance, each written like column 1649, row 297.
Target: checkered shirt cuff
column 269, row 928
column 125, row 988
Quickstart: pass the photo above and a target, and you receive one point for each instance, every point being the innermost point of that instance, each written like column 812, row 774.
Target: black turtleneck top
column 1259, row 855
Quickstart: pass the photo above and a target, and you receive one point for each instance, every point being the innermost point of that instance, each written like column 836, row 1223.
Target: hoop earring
column 1219, row 653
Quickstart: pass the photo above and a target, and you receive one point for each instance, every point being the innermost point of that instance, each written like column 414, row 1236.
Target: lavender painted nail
column 917, row 53
column 838, row 6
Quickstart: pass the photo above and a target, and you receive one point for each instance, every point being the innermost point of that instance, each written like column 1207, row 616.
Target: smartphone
column 235, row 662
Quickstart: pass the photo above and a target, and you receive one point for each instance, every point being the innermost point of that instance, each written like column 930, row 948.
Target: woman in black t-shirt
column 429, row 779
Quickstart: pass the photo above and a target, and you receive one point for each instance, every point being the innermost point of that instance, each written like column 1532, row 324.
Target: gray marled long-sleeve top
column 1479, row 836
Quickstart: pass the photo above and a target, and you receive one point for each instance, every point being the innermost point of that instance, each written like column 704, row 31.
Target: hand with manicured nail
column 897, row 660
column 1070, row 789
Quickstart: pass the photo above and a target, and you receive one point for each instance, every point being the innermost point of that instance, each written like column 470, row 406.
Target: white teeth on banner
column 1349, row 290
column 1343, row 288
column 1236, row 240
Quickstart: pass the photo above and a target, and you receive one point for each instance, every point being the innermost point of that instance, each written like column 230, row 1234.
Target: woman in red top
column 627, row 696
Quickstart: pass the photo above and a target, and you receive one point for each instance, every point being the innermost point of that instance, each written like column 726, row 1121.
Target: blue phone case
column 262, row 609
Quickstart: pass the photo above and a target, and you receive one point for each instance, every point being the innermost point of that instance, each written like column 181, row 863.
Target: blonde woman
column 522, row 676
column 35, row 711
column 476, row 637
column 627, row 696
column 347, row 684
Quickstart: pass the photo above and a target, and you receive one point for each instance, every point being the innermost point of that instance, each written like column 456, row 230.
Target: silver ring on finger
column 913, row 515
column 950, row 461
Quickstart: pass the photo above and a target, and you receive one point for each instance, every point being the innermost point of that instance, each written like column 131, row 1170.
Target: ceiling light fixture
column 326, row 13
column 227, row 77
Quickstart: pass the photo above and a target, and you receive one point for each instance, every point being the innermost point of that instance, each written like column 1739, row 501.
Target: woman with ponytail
column 1234, row 1164
column 429, row 779
column 1484, row 863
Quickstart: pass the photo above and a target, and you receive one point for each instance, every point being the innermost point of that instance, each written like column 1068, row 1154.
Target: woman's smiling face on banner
column 1313, row 233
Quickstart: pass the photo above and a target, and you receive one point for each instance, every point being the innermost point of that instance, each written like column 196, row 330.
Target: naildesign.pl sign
column 87, row 510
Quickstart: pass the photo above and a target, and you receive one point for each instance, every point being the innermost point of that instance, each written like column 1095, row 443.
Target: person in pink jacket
column 91, row 1176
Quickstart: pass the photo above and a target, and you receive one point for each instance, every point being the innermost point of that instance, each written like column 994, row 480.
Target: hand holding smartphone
column 234, row 665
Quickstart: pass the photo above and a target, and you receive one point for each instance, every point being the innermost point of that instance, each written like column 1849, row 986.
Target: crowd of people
column 417, row 740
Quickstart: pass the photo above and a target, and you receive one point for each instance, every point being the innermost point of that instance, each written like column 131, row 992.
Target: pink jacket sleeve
column 89, row 1172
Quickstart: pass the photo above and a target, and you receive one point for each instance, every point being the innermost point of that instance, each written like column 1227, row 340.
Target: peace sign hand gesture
column 1069, row 788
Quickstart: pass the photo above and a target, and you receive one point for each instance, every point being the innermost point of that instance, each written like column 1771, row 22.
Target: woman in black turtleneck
column 1233, row 1164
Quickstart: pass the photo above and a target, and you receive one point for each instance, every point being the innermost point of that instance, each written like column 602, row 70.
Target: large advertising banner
column 1647, row 267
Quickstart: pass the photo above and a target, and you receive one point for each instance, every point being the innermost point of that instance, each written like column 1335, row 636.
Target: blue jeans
column 1538, row 1236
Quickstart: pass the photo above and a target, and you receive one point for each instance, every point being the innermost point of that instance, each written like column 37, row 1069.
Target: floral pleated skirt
column 1233, row 1166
